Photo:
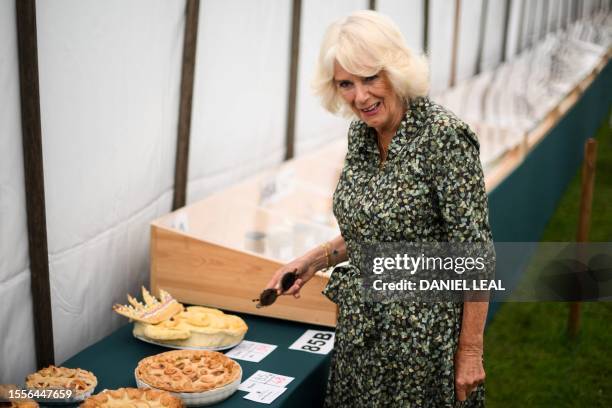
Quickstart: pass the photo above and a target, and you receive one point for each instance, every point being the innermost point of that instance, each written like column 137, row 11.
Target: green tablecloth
column 114, row 358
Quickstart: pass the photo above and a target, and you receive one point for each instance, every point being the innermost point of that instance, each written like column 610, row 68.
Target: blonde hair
column 365, row 43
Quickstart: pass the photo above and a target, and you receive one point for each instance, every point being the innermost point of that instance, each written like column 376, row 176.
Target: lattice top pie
column 133, row 397
column 77, row 379
column 188, row 370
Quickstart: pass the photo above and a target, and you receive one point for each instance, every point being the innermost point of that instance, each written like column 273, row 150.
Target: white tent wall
column 588, row 6
column 536, row 21
column 16, row 320
column 109, row 87
column 521, row 26
column 467, row 51
column 551, row 17
column 314, row 125
column 493, row 35
column 514, row 28
column 408, row 14
column 554, row 18
column 527, row 23
column 441, row 23
column 240, row 91
column 568, row 12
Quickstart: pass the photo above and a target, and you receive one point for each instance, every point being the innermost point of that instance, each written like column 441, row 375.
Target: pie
column 188, row 371
column 196, row 326
column 6, row 401
column 77, row 379
column 133, row 397
column 167, row 321
column 24, row 404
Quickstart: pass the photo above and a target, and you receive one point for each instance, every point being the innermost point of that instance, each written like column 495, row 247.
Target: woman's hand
column 469, row 371
column 305, row 271
column 323, row 256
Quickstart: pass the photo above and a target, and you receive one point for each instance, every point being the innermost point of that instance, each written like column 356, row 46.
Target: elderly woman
column 412, row 173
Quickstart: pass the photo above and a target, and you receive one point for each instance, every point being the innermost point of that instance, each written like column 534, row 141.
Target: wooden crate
column 222, row 251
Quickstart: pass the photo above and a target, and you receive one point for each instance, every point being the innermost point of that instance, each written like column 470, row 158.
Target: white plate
column 191, row 399
column 172, row 346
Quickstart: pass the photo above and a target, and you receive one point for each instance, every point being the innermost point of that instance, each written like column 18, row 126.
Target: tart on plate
column 133, row 397
column 169, row 323
column 197, row 327
column 188, row 371
column 82, row 382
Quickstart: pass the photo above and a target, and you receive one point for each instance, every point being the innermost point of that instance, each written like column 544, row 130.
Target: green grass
column 529, row 359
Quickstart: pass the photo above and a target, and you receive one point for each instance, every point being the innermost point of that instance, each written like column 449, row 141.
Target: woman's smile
column 371, row 110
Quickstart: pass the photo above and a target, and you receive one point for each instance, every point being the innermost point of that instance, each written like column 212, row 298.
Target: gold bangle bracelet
column 326, row 247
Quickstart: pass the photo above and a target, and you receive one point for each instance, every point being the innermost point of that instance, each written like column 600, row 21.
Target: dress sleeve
column 459, row 185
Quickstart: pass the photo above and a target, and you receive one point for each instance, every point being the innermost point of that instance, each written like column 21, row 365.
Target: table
column 114, row 358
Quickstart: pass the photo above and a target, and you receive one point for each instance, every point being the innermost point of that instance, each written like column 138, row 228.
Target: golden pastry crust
column 188, row 370
column 24, row 404
column 4, row 390
column 152, row 311
column 16, row 403
column 196, row 326
column 77, row 379
column 133, row 397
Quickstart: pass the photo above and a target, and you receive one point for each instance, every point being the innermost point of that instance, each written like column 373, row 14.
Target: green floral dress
column 430, row 188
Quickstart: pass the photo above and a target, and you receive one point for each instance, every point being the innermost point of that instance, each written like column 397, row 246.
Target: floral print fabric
column 430, row 188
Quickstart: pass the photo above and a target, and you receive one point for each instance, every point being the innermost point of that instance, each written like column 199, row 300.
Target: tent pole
column 425, row 27
column 184, row 122
column 453, row 73
column 521, row 29
column 294, row 55
column 481, row 36
column 576, row 7
column 531, row 24
column 34, row 181
column 544, row 29
column 506, row 25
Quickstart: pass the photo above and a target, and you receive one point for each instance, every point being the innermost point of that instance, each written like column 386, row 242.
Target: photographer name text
column 450, row 284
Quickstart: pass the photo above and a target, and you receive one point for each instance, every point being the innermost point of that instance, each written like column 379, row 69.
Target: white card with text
column 264, row 377
column 264, row 393
column 251, row 351
column 315, row 341
column 264, row 387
